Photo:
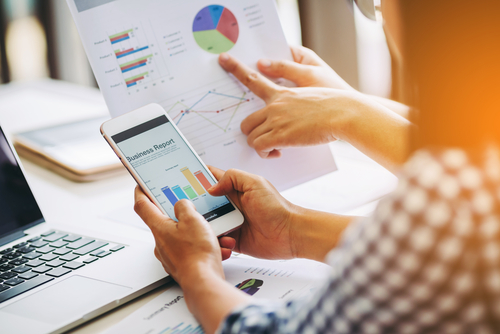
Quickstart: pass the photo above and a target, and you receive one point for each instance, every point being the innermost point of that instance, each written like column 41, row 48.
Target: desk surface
column 107, row 205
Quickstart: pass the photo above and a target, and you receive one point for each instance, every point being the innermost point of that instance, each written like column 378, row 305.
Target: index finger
column 217, row 172
column 256, row 82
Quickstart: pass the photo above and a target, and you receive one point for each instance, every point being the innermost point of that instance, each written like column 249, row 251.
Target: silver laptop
column 54, row 278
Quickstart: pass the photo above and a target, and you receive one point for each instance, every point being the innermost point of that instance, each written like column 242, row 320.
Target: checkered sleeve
column 427, row 261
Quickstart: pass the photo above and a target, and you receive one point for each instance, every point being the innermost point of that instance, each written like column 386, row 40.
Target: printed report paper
column 262, row 279
column 166, row 52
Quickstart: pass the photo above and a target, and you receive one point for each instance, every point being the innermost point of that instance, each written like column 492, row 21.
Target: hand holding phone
column 166, row 167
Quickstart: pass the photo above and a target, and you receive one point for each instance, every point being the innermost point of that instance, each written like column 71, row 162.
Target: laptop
column 53, row 278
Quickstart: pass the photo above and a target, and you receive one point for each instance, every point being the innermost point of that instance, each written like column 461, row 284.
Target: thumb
column 233, row 180
column 298, row 73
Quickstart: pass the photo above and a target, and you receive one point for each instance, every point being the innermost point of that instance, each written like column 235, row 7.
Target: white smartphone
column 166, row 167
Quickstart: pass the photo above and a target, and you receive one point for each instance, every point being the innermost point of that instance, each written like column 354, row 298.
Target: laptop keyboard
column 46, row 257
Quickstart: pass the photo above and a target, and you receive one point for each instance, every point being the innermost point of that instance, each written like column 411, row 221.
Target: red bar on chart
column 123, row 52
column 203, row 180
column 134, row 80
column 134, row 64
column 118, row 37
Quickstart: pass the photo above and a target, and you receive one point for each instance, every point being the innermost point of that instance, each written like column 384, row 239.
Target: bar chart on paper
column 137, row 57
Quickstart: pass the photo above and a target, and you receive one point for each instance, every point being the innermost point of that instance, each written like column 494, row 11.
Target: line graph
column 187, row 110
column 210, row 115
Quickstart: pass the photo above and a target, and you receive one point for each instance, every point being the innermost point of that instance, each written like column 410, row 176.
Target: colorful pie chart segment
column 215, row 29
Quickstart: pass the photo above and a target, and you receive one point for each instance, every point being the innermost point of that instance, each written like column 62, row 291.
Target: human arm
column 308, row 70
column 189, row 252
column 426, row 261
column 274, row 228
column 310, row 116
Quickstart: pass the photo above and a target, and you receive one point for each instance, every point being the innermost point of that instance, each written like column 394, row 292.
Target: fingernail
column 224, row 57
column 265, row 63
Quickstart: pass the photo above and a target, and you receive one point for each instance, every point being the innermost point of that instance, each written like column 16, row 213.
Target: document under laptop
column 53, row 277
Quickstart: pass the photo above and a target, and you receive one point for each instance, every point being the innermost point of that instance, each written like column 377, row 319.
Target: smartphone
column 166, row 167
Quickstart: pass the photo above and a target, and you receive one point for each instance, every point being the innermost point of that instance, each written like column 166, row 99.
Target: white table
column 107, row 205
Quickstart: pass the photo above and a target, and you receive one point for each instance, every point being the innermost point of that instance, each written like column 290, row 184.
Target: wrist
column 317, row 233
column 345, row 115
column 196, row 272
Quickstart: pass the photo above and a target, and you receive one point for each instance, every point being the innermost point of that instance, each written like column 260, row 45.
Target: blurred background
column 38, row 39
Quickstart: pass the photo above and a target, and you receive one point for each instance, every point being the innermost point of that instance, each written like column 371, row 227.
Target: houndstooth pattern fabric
column 428, row 261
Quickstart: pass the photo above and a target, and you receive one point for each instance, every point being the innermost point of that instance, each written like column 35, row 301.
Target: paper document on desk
column 274, row 280
column 166, row 52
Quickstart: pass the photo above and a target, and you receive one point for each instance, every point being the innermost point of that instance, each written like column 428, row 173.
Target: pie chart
column 215, row 29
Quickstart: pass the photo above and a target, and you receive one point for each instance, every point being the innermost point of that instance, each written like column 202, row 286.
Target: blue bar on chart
column 124, row 54
column 120, row 37
column 170, row 195
column 133, row 68
column 180, row 194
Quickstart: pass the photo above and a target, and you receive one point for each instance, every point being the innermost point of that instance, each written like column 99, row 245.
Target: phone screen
column 168, row 167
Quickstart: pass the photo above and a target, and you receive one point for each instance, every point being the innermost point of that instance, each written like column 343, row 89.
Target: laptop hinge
column 11, row 237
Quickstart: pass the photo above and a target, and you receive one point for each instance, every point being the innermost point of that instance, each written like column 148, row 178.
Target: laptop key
column 55, row 236
column 39, row 244
column 62, row 251
column 8, row 275
column 80, row 243
column 2, row 260
column 14, row 281
column 55, row 263
column 58, row 272
column 18, row 262
column 90, row 260
column 69, row 257
column 48, row 257
column 22, row 244
column 6, row 267
column 21, row 269
column 103, row 254
column 72, row 238
column 26, row 250
column 3, row 287
column 97, row 252
column 41, row 270
column 32, row 256
column 48, row 233
column 117, row 248
column 35, row 238
column 73, row 265
column 6, row 251
column 89, row 248
column 45, row 249
column 27, row 276
column 35, row 263
column 12, row 256
column 58, row 244
column 28, row 285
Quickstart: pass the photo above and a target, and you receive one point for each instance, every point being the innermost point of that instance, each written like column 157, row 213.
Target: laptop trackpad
column 67, row 300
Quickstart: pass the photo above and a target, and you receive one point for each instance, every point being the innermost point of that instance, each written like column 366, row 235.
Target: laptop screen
column 18, row 208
